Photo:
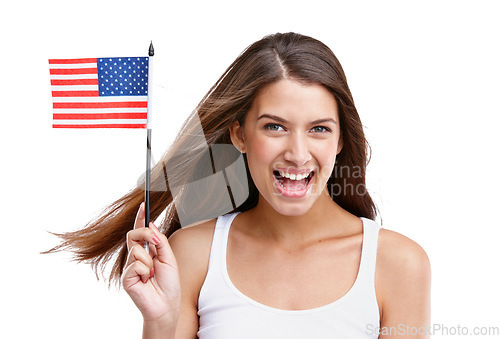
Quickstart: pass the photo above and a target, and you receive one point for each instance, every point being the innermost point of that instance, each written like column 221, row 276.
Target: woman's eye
column 274, row 127
column 320, row 129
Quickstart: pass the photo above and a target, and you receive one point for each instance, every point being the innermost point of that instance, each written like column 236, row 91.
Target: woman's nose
column 297, row 150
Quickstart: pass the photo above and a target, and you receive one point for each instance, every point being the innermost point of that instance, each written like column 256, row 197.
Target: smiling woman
column 301, row 256
column 288, row 135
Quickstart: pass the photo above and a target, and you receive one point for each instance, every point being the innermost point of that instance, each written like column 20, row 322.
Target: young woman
column 301, row 257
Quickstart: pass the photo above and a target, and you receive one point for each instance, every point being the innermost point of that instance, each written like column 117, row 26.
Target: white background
column 425, row 79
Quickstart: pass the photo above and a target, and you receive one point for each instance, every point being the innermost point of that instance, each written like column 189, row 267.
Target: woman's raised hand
column 152, row 279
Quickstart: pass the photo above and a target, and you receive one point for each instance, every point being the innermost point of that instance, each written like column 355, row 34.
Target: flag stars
column 122, row 76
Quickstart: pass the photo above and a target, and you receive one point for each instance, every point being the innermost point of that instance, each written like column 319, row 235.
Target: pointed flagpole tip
column 151, row 49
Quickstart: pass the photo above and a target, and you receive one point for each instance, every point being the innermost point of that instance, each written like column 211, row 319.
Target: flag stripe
column 99, row 111
column 98, row 121
column 71, row 82
column 73, row 76
column 74, row 71
column 102, row 126
column 72, row 61
column 102, row 99
column 76, row 88
column 101, row 116
column 75, row 93
column 69, row 66
column 99, row 104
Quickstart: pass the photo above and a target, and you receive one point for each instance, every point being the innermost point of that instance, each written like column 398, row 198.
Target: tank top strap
column 369, row 253
column 219, row 241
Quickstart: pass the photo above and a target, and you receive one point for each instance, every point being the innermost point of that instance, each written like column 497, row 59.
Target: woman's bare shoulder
column 197, row 230
column 193, row 243
column 403, row 271
column 398, row 252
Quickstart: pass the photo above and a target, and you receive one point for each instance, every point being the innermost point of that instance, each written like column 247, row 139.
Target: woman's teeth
column 294, row 176
column 292, row 181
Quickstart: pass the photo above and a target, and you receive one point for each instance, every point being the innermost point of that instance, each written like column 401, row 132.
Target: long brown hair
column 275, row 57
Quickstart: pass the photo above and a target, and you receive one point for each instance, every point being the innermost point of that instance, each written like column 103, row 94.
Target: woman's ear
column 237, row 137
column 340, row 144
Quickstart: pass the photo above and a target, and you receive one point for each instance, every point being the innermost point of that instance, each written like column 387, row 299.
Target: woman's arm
column 165, row 283
column 152, row 279
column 191, row 246
column 402, row 280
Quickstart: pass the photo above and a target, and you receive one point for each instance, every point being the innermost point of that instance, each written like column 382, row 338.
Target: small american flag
column 99, row 92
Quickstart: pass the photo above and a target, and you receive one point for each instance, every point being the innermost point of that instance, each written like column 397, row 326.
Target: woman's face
column 291, row 136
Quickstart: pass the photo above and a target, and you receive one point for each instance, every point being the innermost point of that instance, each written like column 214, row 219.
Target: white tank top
column 226, row 313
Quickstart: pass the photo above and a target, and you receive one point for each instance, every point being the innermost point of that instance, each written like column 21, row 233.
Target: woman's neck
column 325, row 219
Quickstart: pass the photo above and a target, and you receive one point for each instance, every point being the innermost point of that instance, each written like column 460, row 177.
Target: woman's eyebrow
column 322, row 121
column 273, row 117
column 280, row 119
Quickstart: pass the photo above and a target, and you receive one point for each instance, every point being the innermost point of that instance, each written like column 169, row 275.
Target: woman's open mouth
column 292, row 185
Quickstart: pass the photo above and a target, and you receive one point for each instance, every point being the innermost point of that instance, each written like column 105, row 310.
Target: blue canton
column 122, row 76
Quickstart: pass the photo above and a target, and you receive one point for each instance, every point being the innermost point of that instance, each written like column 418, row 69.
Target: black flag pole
column 151, row 53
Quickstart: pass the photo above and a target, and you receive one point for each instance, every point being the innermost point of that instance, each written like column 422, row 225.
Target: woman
column 301, row 257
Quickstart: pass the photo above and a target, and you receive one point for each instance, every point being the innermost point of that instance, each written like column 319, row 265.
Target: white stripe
column 73, row 76
column 76, row 88
column 98, row 110
column 99, row 121
column 101, row 99
column 70, row 66
column 150, row 97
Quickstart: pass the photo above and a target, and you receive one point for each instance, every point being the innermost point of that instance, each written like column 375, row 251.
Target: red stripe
column 75, row 93
column 74, row 71
column 102, row 126
column 101, row 116
column 72, row 61
column 120, row 104
column 70, row 82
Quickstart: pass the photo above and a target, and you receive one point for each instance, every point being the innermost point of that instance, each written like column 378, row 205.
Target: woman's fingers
column 140, row 217
column 160, row 250
column 163, row 250
column 138, row 253
column 140, row 235
column 134, row 272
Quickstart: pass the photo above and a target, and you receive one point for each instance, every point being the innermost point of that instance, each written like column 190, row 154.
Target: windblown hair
column 273, row 58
